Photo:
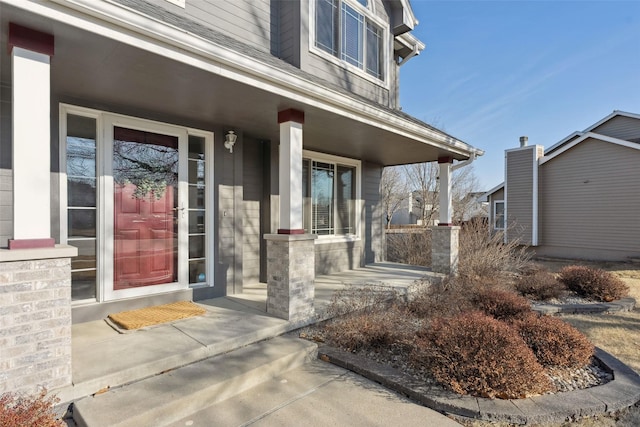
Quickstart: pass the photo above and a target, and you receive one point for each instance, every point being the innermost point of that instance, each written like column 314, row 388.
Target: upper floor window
column 344, row 31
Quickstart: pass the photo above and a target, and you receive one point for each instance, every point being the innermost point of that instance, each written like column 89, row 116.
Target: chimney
column 524, row 141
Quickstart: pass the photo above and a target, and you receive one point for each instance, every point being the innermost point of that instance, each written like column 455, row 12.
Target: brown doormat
column 148, row 316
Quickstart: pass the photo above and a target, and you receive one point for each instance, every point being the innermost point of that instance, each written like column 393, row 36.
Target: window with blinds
column 329, row 195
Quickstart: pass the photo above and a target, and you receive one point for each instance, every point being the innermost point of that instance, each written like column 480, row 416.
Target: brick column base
column 290, row 276
column 444, row 249
column 35, row 319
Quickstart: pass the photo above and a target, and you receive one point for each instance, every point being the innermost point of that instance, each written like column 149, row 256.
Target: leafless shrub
column 20, row 410
column 412, row 247
column 446, row 297
column 475, row 354
column 554, row 342
column 362, row 299
column 370, row 330
column 540, row 285
column 593, row 283
column 500, row 304
column 485, row 254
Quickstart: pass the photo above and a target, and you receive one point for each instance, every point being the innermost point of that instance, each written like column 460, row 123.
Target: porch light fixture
column 230, row 140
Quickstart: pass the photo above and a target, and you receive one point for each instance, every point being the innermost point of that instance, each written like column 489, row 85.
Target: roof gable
column 585, row 136
column 600, row 127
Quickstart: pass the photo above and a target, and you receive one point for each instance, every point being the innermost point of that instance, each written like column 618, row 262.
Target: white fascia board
column 128, row 26
column 411, row 42
column 585, row 136
column 611, row 116
column 562, row 141
column 406, row 6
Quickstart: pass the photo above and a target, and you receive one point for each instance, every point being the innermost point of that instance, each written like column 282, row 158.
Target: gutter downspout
column 465, row 163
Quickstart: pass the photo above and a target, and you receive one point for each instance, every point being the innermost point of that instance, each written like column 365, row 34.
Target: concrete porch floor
column 103, row 358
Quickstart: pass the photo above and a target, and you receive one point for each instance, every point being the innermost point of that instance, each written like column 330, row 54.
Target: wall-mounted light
column 230, row 140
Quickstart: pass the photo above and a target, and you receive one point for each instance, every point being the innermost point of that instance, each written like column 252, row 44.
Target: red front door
column 145, row 209
column 144, row 243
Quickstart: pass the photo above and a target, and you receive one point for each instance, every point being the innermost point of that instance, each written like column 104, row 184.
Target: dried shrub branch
column 554, row 342
column 540, row 285
column 500, row 304
column 484, row 254
column 457, row 353
column 20, row 410
column 593, row 283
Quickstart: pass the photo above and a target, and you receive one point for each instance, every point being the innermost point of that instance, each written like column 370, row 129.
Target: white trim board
column 584, row 137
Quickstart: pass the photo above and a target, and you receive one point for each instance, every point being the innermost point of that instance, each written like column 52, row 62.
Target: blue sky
column 495, row 70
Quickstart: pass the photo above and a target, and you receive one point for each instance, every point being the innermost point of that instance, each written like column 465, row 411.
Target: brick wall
column 444, row 249
column 35, row 324
column 290, row 276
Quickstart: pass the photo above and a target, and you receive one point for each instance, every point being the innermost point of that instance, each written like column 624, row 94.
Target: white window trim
column 209, row 224
column 104, row 267
column 65, row 110
column 369, row 14
column 495, row 203
column 357, row 164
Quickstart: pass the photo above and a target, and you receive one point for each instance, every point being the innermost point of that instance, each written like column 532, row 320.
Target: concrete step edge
column 168, row 397
column 140, row 372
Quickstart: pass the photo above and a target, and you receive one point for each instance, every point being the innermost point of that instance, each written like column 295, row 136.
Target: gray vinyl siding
column 373, row 213
column 289, row 32
column 590, row 201
column 247, row 21
column 341, row 76
column 621, row 127
column 519, row 194
column 229, row 229
column 6, row 174
column 252, row 177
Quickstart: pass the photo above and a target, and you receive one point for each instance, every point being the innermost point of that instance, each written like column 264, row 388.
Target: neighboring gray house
column 162, row 150
column 577, row 199
column 411, row 209
column 470, row 207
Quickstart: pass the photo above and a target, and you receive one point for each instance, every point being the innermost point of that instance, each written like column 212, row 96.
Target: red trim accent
column 31, row 243
column 291, row 115
column 445, row 224
column 29, row 39
column 287, row 231
column 447, row 159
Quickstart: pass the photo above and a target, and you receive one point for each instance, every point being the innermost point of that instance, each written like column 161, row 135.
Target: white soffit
column 128, row 26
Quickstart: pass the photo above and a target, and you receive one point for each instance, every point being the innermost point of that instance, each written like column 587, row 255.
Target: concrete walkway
column 317, row 394
column 104, row 358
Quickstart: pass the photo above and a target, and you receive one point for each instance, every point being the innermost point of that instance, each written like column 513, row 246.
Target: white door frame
column 105, row 204
column 106, row 207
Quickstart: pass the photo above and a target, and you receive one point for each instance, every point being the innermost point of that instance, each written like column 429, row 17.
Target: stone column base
column 444, row 249
column 35, row 318
column 290, row 276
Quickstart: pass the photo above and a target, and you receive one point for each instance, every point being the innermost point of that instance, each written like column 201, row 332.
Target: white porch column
column 444, row 237
column 290, row 171
column 291, row 253
column 30, row 55
column 446, row 207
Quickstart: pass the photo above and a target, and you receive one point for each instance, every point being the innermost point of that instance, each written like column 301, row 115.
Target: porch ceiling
column 92, row 70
